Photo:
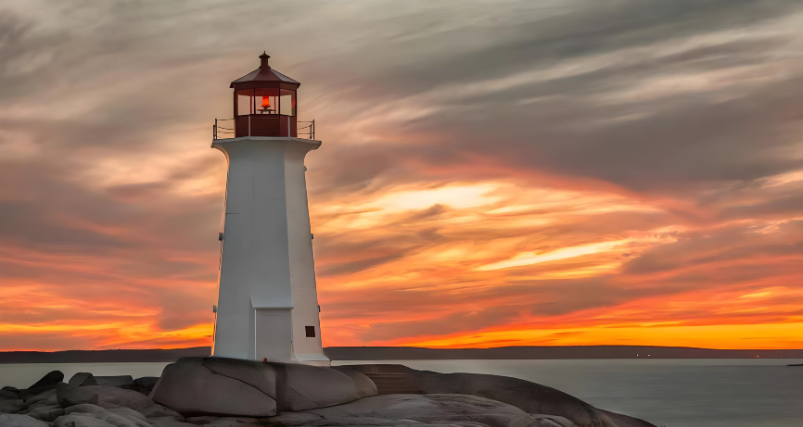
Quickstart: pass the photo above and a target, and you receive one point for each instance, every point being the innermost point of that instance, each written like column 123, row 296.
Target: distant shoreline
column 414, row 353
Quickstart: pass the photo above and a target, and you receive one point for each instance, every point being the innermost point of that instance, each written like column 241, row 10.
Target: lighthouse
column 267, row 303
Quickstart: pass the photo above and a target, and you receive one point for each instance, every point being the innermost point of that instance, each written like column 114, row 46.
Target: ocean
column 665, row 392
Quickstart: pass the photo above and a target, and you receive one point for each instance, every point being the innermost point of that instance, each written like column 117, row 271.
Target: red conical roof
column 265, row 77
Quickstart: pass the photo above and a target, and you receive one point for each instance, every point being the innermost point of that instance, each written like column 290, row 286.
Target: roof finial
column 264, row 60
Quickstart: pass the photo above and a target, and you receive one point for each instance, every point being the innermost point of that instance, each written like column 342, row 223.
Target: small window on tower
column 310, row 331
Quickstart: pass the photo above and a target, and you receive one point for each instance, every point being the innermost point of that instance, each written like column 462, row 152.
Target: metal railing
column 307, row 131
column 222, row 132
column 224, row 129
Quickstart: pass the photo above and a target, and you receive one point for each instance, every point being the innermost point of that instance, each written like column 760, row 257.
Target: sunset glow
column 477, row 186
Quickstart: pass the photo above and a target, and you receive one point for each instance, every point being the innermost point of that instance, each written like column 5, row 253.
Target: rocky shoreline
column 219, row 392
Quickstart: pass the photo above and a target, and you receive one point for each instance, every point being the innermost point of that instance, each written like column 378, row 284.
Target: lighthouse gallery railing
column 224, row 129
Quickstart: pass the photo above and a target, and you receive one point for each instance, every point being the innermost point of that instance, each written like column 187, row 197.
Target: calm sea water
column 671, row 393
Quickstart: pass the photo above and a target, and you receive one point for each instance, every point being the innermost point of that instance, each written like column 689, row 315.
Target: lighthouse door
column 273, row 334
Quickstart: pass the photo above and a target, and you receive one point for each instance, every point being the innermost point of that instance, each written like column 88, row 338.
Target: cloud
column 455, row 138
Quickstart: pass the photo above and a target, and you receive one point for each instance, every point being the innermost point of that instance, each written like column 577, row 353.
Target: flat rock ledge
column 220, row 392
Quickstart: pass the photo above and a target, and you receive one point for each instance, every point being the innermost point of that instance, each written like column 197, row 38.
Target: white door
column 273, row 334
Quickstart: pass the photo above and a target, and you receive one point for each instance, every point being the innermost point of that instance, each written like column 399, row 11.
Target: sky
column 493, row 173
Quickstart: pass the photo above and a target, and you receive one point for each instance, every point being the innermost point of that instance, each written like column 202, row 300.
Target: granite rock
column 69, row 395
column 11, row 406
column 80, row 420
column 119, row 381
column 293, row 419
column 169, row 422
column 48, row 382
column 82, row 378
column 9, row 394
column 300, row 387
column 530, row 397
column 434, row 409
column 365, row 387
column 145, row 385
column 191, row 389
column 47, row 397
column 157, row 410
column 122, row 417
column 13, row 420
column 201, row 420
column 261, row 376
column 109, row 397
column 46, row 412
column 235, row 422
column 130, row 414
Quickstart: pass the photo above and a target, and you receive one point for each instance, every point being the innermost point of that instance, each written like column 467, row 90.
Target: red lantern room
column 265, row 103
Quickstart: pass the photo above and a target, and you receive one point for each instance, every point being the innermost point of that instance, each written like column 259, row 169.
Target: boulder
column 292, row 419
column 365, row 387
column 119, row 381
column 434, row 409
column 111, row 397
column 169, row 422
column 48, row 382
column 47, row 397
column 259, row 375
column 201, row 420
column 525, row 395
column 83, row 378
column 104, row 396
column 13, row 420
column 232, row 387
column 157, row 410
column 145, row 385
column 9, row 395
column 11, row 406
column 80, row 420
column 69, row 395
column 119, row 417
column 46, row 412
column 193, row 389
column 530, row 397
column 301, row 387
column 235, row 422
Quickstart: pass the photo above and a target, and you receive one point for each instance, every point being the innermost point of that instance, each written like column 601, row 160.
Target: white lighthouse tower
column 268, row 304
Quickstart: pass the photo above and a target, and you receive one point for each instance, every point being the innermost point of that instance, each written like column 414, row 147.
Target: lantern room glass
column 266, row 101
column 245, row 102
column 287, row 103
